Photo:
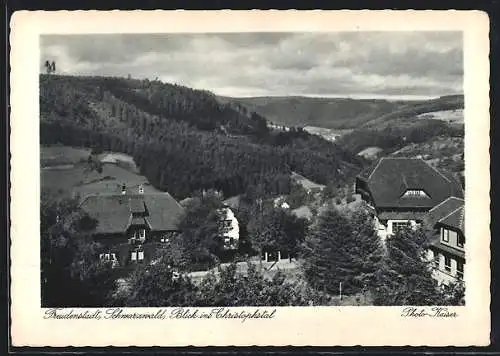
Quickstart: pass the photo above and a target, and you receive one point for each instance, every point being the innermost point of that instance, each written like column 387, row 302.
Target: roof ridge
column 129, row 221
column 376, row 167
column 444, row 201
column 84, row 200
column 435, row 169
column 403, row 176
column 453, row 212
column 176, row 202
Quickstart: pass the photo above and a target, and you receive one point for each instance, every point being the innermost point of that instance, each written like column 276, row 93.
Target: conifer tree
column 201, row 239
column 405, row 278
column 336, row 251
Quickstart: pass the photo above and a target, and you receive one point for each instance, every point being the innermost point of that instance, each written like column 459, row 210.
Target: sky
column 337, row 64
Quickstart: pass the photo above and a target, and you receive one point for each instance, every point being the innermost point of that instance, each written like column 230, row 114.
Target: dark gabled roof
column 138, row 221
column 164, row 211
column 443, row 209
column 391, row 177
column 455, row 219
column 137, row 205
column 114, row 212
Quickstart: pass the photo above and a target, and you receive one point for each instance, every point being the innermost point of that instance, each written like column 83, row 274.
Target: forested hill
column 342, row 113
column 184, row 139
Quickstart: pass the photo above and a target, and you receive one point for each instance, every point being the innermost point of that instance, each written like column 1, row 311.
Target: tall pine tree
column 341, row 250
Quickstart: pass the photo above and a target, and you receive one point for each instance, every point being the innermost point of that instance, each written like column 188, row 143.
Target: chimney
column 124, row 189
column 141, row 189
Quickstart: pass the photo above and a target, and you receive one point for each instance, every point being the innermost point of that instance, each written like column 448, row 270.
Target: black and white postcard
column 250, row 178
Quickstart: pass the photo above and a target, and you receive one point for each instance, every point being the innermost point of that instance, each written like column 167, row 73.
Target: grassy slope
column 76, row 177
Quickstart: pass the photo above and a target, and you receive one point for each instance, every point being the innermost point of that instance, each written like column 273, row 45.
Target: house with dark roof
column 400, row 192
column 132, row 225
column 447, row 245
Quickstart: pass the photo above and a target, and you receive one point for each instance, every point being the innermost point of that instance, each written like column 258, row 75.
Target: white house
column 231, row 228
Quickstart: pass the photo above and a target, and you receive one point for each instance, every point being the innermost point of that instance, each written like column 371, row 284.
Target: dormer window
column 415, row 193
column 142, row 234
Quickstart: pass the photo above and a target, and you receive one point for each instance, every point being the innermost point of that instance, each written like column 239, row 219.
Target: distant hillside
column 111, row 101
column 374, row 142
column 419, row 110
column 341, row 113
column 182, row 139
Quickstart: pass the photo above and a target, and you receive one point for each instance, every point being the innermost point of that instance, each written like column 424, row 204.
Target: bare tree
column 50, row 67
column 47, row 67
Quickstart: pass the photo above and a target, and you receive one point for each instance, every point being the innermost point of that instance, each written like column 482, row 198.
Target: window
column 447, row 263
column 445, row 235
column 229, row 242
column 460, row 270
column 415, row 193
column 142, row 234
column 400, row 225
column 460, row 240
column 106, row 257
column 167, row 236
column 137, row 255
column 225, row 225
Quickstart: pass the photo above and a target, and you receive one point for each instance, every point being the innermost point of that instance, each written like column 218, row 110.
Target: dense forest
column 184, row 139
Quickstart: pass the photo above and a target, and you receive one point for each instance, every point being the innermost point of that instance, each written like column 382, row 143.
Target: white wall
column 413, row 224
column 381, row 229
column 439, row 273
column 234, row 230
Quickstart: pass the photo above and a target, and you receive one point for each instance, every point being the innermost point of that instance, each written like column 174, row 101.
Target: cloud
column 255, row 64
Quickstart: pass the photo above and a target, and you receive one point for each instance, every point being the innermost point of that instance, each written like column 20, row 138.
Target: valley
column 279, row 166
column 346, row 113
